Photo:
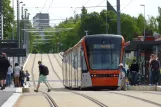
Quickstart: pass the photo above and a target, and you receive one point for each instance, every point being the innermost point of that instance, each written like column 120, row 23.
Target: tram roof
column 95, row 36
column 103, row 35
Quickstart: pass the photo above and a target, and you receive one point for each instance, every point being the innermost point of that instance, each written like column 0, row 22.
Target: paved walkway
column 4, row 95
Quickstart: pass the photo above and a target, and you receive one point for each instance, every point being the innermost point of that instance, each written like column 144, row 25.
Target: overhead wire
column 50, row 5
column 98, row 5
column 83, row 5
column 127, row 5
column 43, row 6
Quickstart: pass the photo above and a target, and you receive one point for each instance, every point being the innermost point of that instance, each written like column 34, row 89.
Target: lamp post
column 25, row 17
column 118, row 18
column 144, row 19
column 22, row 11
column 18, row 25
column 18, row 22
column 22, row 23
column 27, row 36
column 106, row 18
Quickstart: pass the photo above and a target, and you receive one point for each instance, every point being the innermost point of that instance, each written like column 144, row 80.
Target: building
column 41, row 21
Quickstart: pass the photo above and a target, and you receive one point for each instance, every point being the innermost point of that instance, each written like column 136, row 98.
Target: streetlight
column 144, row 19
column 18, row 22
column 22, row 22
column 106, row 19
column 18, row 26
column 22, row 11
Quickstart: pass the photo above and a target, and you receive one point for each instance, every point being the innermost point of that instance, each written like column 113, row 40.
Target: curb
column 144, row 88
column 12, row 100
column 26, row 62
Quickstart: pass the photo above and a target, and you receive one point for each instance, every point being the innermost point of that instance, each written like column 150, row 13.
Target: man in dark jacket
column 4, row 64
column 134, row 69
column 154, row 65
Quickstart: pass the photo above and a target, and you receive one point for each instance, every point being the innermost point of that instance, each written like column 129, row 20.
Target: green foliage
column 8, row 18
column 159, row 20
column 70, row 31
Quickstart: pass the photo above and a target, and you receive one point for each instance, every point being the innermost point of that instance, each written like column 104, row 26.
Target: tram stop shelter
column 10, row 47
column 143, row 50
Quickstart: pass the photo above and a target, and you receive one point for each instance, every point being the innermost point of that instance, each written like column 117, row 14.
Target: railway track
column 46, row 95
column 134, row 97
column 82, row 95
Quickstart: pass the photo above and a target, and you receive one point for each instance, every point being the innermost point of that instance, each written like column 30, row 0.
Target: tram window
column 104, row 60
column 79, row 64
column 83, row 62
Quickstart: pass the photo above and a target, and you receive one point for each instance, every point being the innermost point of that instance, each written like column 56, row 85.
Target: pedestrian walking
column 9, row 77
column 4, row 65
column 155, row 70
column 17, row 70
column 43, row 72
column 134, row 69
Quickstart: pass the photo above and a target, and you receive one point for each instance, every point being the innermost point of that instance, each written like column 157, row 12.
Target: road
column 73, row 98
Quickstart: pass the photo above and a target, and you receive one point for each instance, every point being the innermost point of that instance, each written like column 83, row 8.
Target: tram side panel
column 75, row 70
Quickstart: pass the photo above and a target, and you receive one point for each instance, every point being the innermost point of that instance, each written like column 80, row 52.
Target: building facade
column 41, row 21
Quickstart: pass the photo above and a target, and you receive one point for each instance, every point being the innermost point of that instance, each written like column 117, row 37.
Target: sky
column 61, row 9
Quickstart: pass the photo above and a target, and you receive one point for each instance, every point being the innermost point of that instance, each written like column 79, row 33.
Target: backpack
column 45, row 70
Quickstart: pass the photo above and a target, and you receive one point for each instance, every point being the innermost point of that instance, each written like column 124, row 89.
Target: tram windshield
column 104, row 55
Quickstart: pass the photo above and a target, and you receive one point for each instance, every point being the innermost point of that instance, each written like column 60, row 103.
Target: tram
column 94, row 62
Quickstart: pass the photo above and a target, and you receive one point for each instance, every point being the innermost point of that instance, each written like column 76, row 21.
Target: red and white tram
column 94, row 62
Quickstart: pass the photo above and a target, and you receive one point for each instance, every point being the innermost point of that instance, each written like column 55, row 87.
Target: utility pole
column 106, row 19
column 118, row 18
column 13, row 22
column 18, row 27
column 1, row 21
column 144, row 19
column 22, row 21
column 27, row 35
column 18, row 24
column 24, row 38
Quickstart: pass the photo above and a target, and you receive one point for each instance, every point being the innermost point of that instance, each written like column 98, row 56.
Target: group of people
column 16, row 74
column 154, row 71
column 9, row 75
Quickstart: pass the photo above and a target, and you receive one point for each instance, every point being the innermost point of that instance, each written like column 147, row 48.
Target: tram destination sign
column 103, row 46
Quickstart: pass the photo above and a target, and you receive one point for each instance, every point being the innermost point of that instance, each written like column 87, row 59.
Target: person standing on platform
column 17, row 70
column 4, row 65
column 155, row 70
column 9, row 77
column 150, row 71
column 134, row 69
column 43, row 72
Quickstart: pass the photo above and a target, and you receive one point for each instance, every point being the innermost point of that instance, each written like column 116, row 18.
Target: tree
column 153, row 24
column 159, row 20
column 128, row 26
column 8, row 18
